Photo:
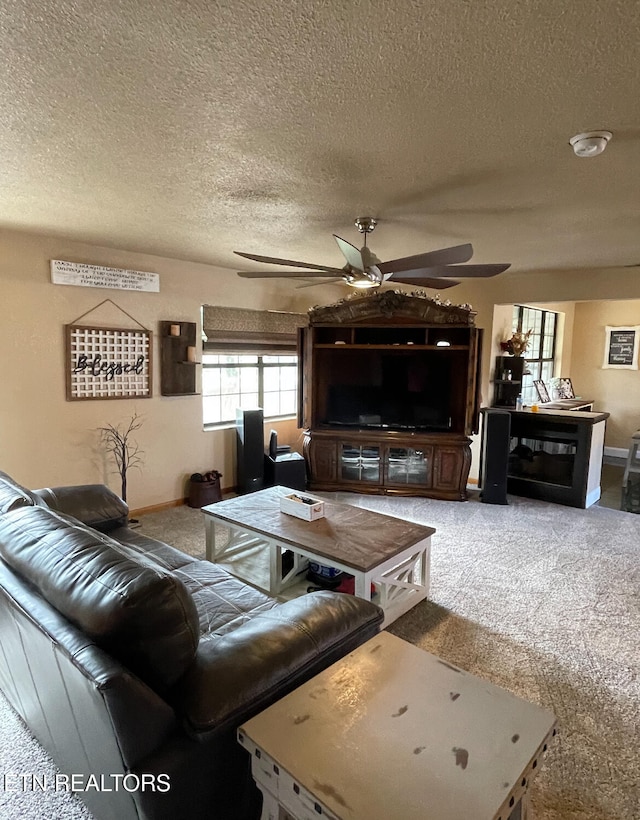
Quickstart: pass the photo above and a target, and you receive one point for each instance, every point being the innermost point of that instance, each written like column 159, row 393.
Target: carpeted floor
column 538, row 598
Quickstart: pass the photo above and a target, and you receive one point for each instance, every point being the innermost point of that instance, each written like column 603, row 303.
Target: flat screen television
column 401, row 393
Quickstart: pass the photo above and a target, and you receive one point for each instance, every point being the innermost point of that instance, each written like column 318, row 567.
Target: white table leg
column 425, row 564
column 210, row 537
column 270, row 805
column 362, row 586
column 275, row 568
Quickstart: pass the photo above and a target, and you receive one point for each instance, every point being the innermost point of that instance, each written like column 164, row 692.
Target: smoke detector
column 591, row 143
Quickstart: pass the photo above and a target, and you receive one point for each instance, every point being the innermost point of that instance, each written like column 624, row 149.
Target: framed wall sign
column 107, row 363
column 621, row 347
column 100, row 276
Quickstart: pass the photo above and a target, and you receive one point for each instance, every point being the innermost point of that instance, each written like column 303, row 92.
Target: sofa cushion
column 236, row 675
column 223, row 602
column 93, row 504
column 139, row 612
column 13, row 495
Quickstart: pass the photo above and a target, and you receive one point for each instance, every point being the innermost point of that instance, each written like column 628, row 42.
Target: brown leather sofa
column 134, row 664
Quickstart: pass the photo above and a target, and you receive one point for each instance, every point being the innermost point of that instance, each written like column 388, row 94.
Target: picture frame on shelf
column 541, row 390
column 562, row 388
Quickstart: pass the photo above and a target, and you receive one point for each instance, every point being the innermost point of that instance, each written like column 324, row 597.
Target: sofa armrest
column 236, row 675
column 93, row 504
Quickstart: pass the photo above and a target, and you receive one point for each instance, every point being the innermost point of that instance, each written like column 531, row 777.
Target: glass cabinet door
column 360, row 462
column 407, row 465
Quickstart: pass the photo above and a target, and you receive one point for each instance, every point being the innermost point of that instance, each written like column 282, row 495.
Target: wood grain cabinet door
column 323, row 460
column 451, row 468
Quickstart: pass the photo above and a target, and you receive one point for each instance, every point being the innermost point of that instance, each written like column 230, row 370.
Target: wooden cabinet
column 177, row 359
column 323, row 458
column 424, row 465
column 389, row 395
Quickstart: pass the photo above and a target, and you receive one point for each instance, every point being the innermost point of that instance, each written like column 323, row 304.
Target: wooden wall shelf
column 176, row 379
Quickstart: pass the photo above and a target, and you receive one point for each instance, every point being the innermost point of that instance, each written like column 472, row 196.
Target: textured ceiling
column 191, row 129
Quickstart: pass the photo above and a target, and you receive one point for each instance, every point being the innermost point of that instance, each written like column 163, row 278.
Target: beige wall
column 46, row 440
column 615, row 391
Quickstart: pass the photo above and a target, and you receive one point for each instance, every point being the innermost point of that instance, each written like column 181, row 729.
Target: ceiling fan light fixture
column 590, row 143
column 364, row 284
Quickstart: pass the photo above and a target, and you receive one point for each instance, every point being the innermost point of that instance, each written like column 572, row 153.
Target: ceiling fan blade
column 269, row 260
column 444, row 256
column 425, row 282
column 283, row 274
column 471, row 271
column 326, row 282
column 463, row 271
column 350, row 253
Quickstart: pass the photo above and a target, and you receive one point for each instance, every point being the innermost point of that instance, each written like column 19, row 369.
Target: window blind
column 251, row 331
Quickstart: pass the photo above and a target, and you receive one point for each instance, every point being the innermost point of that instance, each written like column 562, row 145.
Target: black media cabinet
column 556, row 455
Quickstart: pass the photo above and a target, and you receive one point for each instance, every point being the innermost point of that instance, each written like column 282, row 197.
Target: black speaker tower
column 250, row 450
column 494, row 455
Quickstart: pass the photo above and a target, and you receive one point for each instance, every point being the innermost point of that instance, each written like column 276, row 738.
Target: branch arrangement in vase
column 517, row 344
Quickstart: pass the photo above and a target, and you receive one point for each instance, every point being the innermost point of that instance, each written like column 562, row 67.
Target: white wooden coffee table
column 392, row 732
column 249, row 535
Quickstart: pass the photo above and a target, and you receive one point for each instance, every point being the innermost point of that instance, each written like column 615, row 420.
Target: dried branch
column 125, row 451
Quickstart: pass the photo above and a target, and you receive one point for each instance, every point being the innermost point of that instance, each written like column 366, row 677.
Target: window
column 542, row 347
column 249, row 360
column 247, row 380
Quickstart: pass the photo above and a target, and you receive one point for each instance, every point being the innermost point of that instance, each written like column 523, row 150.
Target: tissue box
column 302, row 506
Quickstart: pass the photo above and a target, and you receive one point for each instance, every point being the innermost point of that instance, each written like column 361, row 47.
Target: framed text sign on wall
column 621, row 347
column 100, row 276
column 107, row 363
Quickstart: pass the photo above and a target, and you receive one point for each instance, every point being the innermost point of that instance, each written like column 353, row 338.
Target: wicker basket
column 202, row 493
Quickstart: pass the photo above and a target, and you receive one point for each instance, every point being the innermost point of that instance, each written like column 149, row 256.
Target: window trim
column 539, row 359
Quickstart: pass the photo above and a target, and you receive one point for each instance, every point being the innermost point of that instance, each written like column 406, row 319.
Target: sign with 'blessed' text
column 107, row 363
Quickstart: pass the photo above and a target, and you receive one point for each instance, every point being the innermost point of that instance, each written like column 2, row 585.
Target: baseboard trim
column 616, row 452
column 178, row 502
column 166, row 505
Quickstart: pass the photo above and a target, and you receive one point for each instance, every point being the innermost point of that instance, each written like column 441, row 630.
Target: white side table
column 391, row 731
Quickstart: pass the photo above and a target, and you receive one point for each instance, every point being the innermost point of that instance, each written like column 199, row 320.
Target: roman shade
column 251, row 331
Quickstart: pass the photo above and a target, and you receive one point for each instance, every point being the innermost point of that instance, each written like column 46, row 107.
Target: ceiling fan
column 365, row 270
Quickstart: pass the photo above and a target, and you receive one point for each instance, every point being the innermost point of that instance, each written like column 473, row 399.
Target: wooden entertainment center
column 389, row 395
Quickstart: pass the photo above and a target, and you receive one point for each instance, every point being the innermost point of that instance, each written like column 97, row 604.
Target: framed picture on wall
column 621, row 347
